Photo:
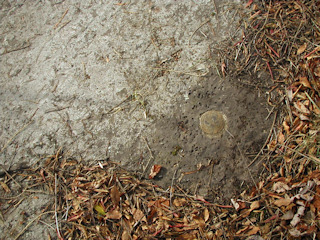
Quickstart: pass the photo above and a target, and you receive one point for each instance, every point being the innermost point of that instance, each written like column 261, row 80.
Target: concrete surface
column 108, row 79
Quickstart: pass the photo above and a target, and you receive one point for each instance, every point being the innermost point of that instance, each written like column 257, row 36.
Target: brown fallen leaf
column 179, row 202
column 138, row 215
column 206, row 214
column 281, row 138
column 282, row 202
column 254, row 205
column 154, row 171
column 301, row 107
column 253, row 231
column 238, row 204
column 288, row 215
column 297, row 217
column 302, row 48
column 125, row 235
column 242, row 230
column 304, row 81
column 115, row 195
column 113, row 214
column 280, row 187
column 5, row 186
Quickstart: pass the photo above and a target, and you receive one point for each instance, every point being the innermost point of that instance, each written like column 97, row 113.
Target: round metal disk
column 213, row 123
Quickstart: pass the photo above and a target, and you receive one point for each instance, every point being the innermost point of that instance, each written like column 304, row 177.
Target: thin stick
column 312, row 100
column 29, row 224
column 9, row 175
column 55, row 205
column 118, row 105
column 151, row 157
column 181, row 72
column 266, row 142
column 16, row 49
column 173, row 177
column 13, row 137
column 47, row 224
column 208, row 20
column 57, row 24
column 310, row 157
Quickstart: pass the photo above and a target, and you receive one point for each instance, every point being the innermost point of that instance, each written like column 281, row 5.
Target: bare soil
column 181, row 147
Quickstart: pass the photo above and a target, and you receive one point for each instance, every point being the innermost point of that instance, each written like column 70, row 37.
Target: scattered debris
column 104, row 201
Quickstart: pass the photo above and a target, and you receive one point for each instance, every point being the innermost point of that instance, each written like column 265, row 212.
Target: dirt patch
column 215, row 167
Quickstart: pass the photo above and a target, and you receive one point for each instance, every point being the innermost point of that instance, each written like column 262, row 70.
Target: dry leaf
column 303, row 117
column 302, row 48
column 154, row 171
column 288, row 215
column 242, row 230
column 115, row 195
column 138, row 215
column 281, row 138
column 238, row 204
column 125, row 235
column 5, row 186
column 282, row 202
column 286, row 127
column 272, row 145
column 254, row 205
column 316, row 201
column 296, row 233
column 235, row 204
column 296, row 218
column 301, row 108
column 206, row 214
column 253, row 231
column 304, row 81
column 280, row 187
column 179, row 202
column 254, row 237
column 113, row 214
column 99, row 209
column 289, row 93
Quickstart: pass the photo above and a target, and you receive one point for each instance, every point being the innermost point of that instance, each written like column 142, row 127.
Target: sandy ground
column 125, row 81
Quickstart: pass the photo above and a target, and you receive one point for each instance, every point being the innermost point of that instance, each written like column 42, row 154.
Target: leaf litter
column 103, row 201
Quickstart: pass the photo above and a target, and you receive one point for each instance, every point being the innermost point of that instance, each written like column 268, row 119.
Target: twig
column 118, row 105
column 124, row 191
column 29, row 224
column 57, row 24
column 151, row 157
column 181, row 72
column 313, row 51
column 9, row 175
column 11, row 139
column 310, row 157
column 266, row 142
column 208, row 20
column 173, row 177
column 55, row 204
column 16, row 49
column 215, row 7
column 271, row 74
column 312, row 101
column 48, row 225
